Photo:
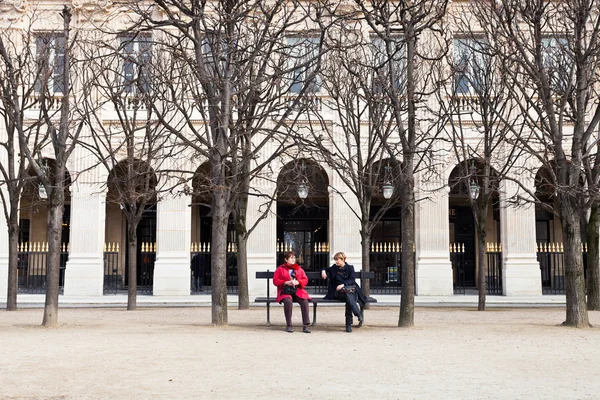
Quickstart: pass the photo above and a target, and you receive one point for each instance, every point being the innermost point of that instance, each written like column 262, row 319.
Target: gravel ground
column 175, row 353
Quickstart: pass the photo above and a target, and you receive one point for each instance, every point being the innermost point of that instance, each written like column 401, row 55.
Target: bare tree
column 481, row 116
column 18, row 72
column 63, row 129
column 354, row 132
column 132, row 151
column 234, row 67
column 549, row 51
column 419, row 24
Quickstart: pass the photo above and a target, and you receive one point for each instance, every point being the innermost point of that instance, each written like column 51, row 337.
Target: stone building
column 176, row 229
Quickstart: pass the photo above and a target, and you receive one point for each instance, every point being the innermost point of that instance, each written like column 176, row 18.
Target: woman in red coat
column 291, row 280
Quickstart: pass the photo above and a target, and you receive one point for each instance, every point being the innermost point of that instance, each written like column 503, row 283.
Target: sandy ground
column 174, row 353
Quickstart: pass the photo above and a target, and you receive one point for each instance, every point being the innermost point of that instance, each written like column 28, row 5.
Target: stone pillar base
column 172, row 275
column 258, row 287
column 521, row 276
column 84, row 275
column 434, row 275
column 3, row 278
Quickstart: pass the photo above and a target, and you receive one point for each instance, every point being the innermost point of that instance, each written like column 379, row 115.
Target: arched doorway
column 302, row 224
column 462, row 225
column 122, row 191
column 201, row 236
column 33, row 232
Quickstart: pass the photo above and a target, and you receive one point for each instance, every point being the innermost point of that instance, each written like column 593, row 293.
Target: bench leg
column 362, row 312
column 268, row 314
column 314, row 314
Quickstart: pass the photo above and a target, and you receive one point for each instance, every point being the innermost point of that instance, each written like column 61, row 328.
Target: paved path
column 175, row 353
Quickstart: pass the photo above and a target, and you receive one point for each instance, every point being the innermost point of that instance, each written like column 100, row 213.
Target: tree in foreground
column 235, row 85
column 419, row 25
column 481, row 116
column 18, row 72
column 353, row 133
column 63, row 128
column 134, row 150
column 550, row 54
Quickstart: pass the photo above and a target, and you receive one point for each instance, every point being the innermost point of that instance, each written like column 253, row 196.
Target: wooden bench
column 320, row 286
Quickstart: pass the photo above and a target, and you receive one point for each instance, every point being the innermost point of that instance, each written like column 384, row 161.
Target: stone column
column 344, row 226
column 261, row 249
column 3, row 256
column 433, row 270
column 84, row 274
column 173, row 237
column 520, row 268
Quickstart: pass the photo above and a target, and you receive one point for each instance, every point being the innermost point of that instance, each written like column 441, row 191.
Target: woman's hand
column 294, row 282
column 339, row 287
column 323, row 274
column 289, row 283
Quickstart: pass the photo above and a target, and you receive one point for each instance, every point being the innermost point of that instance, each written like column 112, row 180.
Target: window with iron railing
column 388, row 61
column 50, row 53
column 471, row 64
column 302, row 59
column 136, row 51
column 555, row 52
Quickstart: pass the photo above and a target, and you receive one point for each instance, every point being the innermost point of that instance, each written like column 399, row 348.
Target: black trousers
column 351, row 300
column 287, row 309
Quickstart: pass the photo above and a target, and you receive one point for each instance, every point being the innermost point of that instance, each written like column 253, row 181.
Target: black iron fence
column 457, row 256
column 493, row 279
column 200, row 264
column 551, row 257
column 114, row 277
column 145, row 270
column 32, row 264
column 317, row 259
column 385, row 261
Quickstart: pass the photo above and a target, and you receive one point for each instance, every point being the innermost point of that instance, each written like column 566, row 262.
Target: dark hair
column 288, row 254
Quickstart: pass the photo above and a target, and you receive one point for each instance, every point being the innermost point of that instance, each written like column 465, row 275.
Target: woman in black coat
column 342, row 286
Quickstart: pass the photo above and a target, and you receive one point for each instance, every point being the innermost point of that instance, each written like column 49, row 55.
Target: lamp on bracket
column 43, row 164
column 473, row 186
column 303, row 186
column 387, row 188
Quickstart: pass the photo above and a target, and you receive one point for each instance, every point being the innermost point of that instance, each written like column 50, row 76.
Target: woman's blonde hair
column 339, row 256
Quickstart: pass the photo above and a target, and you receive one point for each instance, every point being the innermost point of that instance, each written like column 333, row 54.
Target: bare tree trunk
column 577, row 314
column 132, row 267
column 241, row 237
column 13, row 260
column 407, row 201
column 593, row 262
column 481, row 236
column 218, row 256
column 365, row 245
column 53, row 258
column 242, row 270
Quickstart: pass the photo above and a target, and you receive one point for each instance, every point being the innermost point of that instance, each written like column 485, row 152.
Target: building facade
column 174, row 235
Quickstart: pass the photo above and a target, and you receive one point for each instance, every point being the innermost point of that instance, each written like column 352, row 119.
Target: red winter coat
column 282, row 275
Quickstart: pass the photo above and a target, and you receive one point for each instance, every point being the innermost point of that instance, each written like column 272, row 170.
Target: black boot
column 348, row 328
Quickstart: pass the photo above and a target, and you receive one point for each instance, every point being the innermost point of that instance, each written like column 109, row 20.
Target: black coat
column 349, row 279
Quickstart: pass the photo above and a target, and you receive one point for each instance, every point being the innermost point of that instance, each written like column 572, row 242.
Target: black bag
column 291, row 290
column 348, row 289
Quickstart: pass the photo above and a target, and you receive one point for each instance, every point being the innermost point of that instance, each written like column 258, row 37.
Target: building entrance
column 304, row 232
column 462, row 231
